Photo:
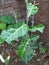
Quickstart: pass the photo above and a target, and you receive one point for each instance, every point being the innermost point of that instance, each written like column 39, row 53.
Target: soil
column 41, row 17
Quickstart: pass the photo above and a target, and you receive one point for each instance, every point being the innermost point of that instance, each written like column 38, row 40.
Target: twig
column 26, row 1
column 15, row 15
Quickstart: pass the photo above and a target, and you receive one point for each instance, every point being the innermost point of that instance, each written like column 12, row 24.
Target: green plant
column 26, row 50
column 42, row 49
column 2, row 26
column 7, row 19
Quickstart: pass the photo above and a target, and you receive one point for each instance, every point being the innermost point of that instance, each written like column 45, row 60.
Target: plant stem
column 26, row 1
column 33, row 15
column 15, row 16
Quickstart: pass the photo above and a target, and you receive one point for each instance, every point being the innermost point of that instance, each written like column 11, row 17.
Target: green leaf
column 7, row 19
column 38, row 59
column 22, row 48
column 20, row 23
column 39, row 28
column 1, row 40
column 34, row 37
column 42, row 49
column 29, row 53
column 13, row 34
column 2, row 26
column 32, row 9
column 33, row 45
column 12, row 26
column 7, row 60
column 25, row 51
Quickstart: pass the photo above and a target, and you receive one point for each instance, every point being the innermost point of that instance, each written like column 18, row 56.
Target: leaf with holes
column 32, row 9
column 39, row 28
column 13, row 34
